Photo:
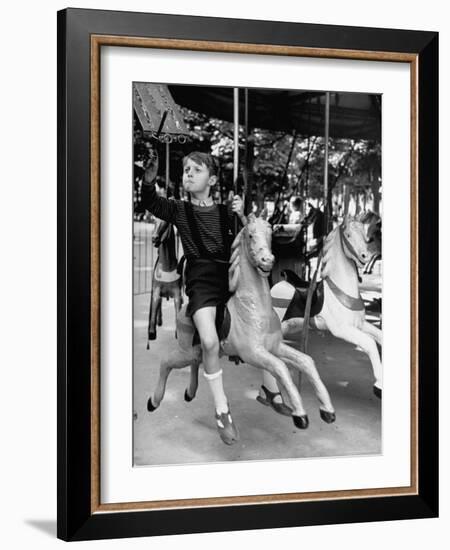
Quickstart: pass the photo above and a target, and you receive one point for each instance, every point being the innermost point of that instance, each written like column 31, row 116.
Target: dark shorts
column 206, row 284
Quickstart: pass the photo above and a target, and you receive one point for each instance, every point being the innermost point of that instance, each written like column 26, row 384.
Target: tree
column 280, row 164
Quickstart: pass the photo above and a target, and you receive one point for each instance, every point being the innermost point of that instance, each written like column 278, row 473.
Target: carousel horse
column 372, row 222
column 166, row 281
column 251, row 330
column 336, row 305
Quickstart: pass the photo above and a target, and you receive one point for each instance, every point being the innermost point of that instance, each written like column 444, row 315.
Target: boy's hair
column 204, row 158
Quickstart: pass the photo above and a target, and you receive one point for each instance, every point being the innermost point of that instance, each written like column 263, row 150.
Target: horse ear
column 264, row 215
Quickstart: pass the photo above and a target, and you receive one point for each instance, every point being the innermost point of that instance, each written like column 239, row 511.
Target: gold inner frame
column 97, row 41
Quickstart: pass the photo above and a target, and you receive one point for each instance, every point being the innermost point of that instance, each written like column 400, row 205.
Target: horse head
column 372, row 224
column 354, row 241
column 257, row 235
column 254, row 240
column 164, row 240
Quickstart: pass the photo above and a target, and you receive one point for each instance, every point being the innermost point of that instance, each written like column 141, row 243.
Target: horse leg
column 270, row 383
column 178, row 303
column 159, row 319
column 367, row 343
column 177, row 359
column 177, row 300
column 373, row 331
column 305, row 364
column 277, row 368
column 150, row 328
column 189, row 393
column 291, row 325
column 155, row 303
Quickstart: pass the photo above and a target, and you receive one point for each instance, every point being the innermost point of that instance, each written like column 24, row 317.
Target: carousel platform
column 185, row 433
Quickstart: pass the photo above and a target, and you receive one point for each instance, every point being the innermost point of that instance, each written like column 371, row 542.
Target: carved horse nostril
column 268, row 259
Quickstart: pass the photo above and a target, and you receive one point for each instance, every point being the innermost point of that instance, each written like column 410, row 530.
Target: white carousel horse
column 340, row 308
column 254, row 333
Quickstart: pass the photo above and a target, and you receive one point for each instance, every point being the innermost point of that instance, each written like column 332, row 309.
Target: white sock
column 216, row 384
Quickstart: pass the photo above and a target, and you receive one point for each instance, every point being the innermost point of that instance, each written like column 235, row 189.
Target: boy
column 205, row 229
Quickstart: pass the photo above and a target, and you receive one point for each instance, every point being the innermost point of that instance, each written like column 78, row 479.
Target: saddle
column 297, row 306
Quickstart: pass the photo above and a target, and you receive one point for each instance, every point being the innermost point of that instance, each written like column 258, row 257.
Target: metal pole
column 246, row 160
column 236, row 146
column 167, row 166
column 325, row 160
column 312, row 284
column 236, row 137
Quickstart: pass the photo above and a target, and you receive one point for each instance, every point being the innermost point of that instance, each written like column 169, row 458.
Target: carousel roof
column 352, row 115
column 158, row 113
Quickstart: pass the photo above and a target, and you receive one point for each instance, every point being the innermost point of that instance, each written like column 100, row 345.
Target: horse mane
column 331, row 238
column 234, row 270
column 327, row 251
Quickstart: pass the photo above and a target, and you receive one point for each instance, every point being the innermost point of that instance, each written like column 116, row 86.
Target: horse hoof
column 150, row 406
column 152, row 335
column 327, row 417
column 301, row 422
column 187, row 397
column 377, row 392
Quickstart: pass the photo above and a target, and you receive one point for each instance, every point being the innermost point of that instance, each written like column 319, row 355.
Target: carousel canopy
column 158, row 113
column 352, row 115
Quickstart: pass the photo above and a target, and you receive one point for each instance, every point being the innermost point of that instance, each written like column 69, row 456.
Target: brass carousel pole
column 246, row 190
column 312, row 284
column 325, row 160
column 236, row 144
column 167, row 166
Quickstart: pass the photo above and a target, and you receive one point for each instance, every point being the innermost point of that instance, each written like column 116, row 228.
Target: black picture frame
column 78, row 518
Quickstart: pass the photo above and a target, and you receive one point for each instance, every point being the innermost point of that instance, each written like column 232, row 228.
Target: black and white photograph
column 257, row 273
column 224, row 282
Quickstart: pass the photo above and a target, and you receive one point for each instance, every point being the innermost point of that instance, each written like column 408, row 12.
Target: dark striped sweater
column 207, row 222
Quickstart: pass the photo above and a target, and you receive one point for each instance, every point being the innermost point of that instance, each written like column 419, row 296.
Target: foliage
column 281, row 165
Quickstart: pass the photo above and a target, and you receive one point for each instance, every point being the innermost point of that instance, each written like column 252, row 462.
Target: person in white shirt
column 295, row 216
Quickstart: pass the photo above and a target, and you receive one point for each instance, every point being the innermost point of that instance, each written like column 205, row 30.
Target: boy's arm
column 159, row 206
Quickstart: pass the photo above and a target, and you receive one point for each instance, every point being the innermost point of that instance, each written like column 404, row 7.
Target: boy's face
column 196, row 178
